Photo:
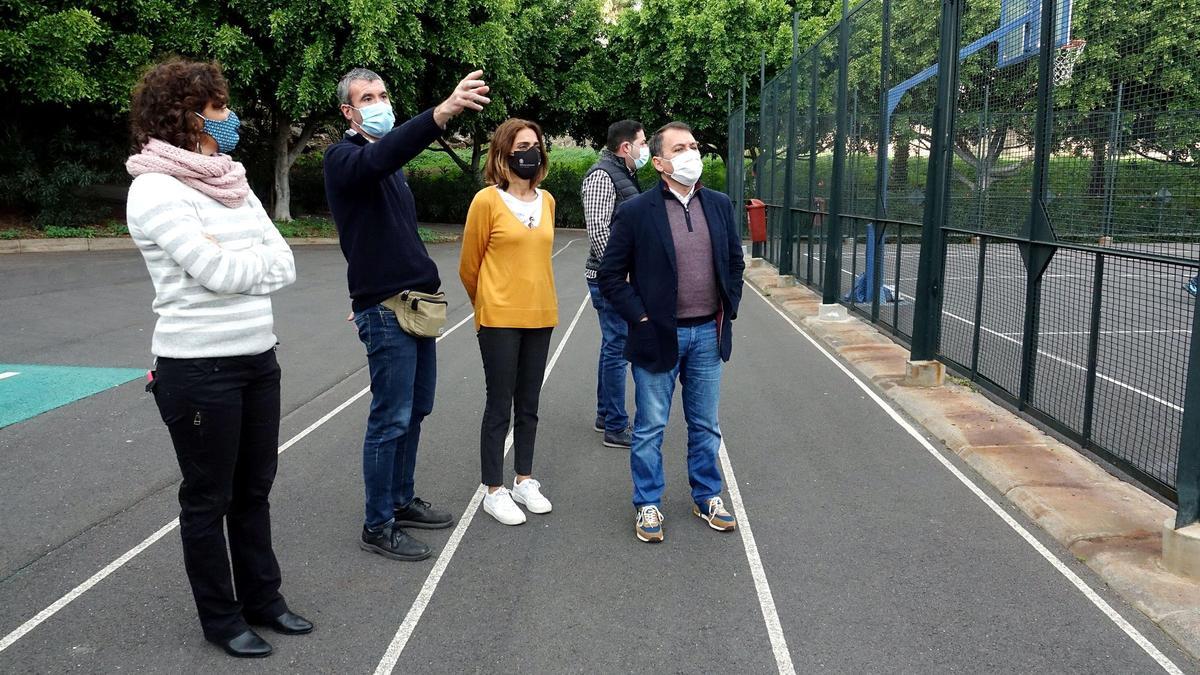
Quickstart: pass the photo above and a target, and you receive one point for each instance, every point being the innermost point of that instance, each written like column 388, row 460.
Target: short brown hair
column 496, row 171
column 166, row 97
column 656, row 141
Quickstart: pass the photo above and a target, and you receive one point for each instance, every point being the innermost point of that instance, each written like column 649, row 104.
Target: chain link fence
column 1055, row 204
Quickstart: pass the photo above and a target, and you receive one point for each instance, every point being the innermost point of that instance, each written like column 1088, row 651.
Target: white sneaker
column 528, row 492
column 499, row 505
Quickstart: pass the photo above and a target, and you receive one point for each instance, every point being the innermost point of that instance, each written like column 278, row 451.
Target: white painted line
column 421, row 602
column 79, row 590
column 5, row 376
column 1054, row 357
column 1072, row 364
column 1184, row 331
column 766, row 601
column 1128, row 628
column 22, row 630
column 115, row 565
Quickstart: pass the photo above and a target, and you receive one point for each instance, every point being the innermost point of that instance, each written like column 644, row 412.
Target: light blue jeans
column 611, row 369
column 699, row 372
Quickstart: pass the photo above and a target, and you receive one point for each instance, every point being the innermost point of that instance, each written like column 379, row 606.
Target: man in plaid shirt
column 610, row 181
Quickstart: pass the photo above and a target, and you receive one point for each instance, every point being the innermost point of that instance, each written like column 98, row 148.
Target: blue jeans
column 699, row 372
column 403, row 377
column 610, row 374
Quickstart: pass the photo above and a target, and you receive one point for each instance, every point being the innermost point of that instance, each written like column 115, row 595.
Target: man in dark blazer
column 673, row 271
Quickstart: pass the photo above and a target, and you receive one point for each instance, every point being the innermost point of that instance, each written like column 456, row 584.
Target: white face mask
column 688, row 167
column 642, row 158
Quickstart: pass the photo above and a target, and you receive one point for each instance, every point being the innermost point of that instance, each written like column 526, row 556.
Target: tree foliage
column 67, row 68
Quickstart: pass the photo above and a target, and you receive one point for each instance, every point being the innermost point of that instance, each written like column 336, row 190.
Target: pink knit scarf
column 217, row 176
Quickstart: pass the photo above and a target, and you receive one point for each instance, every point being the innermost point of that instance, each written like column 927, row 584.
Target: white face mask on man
column 688, row 167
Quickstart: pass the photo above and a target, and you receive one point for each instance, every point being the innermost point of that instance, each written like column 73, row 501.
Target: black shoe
column 287, row 623
column 620, row 439
column 393, row 542
column 246, row 645
column 599, row 425
column 421, row 513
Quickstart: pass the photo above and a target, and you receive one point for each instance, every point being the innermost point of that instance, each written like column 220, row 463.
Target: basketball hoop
column 1064, row 61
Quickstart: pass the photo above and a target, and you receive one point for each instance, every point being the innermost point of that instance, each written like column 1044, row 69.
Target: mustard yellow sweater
column 505, row 265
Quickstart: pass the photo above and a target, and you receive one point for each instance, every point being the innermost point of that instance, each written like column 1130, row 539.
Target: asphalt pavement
column 866, row 553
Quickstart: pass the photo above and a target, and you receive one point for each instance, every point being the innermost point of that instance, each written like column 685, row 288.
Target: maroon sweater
column 697, row 293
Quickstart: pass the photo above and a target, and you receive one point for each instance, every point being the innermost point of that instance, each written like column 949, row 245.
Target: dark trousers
column 514, row 362
column 223, row 415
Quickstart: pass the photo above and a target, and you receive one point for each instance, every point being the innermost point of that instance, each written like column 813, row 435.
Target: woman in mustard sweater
column 506, row 269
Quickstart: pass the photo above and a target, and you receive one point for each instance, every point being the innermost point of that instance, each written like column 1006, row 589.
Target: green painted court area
column 28, row 390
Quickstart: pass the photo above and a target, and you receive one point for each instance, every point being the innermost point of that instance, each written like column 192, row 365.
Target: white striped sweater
column 211, row 297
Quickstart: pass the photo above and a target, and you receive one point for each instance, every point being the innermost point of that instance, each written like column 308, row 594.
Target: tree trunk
column 282, row 208
column 899, row 177
column 1097, row 173
column 476, row 153
column 285, row 155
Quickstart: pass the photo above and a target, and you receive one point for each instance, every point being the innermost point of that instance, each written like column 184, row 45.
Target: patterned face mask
column 224, row 132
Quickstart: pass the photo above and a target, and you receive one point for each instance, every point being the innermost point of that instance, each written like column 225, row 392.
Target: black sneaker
column 393, row 542
column 421, row 513
column 599, row 425
column 619, row 439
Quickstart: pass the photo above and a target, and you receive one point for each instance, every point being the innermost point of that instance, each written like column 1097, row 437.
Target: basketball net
column 1066, row 58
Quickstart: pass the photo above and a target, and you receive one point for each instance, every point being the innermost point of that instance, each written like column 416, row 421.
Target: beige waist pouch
column 419, row 314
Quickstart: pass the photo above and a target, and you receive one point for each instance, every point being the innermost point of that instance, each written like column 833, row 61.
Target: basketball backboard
column 1021, row 21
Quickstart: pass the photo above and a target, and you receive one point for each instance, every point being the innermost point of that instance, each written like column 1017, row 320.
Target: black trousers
column 223, row 415
column 514, row 362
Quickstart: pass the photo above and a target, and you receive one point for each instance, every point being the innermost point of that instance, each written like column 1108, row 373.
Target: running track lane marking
column 766, row 601
column 39, row 618
column 5, row 376
column 1133, row 633
column 396, row 647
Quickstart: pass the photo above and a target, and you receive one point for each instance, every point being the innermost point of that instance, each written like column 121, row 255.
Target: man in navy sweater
column 376, row 219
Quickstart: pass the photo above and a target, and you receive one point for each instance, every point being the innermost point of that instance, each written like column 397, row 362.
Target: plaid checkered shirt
column 599, row 202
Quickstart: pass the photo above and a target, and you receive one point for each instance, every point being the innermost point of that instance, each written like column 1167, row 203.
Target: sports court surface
column 863, row 547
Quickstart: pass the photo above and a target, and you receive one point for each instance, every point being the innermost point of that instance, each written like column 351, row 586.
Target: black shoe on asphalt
column 620, row 439
column 246, row 645
column 599, row 425
column 393, row 542
column 288, row 623
column 421, row 513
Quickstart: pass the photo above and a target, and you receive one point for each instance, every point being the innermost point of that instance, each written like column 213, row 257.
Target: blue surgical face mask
column 224, row 132
column 377, row 118
column 642, row 158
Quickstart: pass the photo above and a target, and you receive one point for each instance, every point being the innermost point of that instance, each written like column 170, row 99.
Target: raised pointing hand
column 470, row 94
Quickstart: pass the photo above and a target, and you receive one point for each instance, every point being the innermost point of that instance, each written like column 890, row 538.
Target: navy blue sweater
column 375, row 215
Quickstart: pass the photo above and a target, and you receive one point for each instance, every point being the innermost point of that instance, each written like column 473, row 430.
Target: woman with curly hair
column 214, row 257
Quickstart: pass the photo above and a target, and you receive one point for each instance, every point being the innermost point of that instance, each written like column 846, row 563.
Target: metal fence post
column 881, row 160
column 813, row 52
column 831, row 284
column 1187, row 471
column 758, row 249
column 927, row 308
column 788, row 238
column 1040, row 248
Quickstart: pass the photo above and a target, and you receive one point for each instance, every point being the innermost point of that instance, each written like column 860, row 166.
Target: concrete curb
column 1109, row 525
column 76, row 245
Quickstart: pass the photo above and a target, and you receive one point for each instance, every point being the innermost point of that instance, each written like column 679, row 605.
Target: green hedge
column 443, row 193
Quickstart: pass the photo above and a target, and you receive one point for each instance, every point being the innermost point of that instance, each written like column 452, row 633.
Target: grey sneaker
column 620, row 439
column 599, row 425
